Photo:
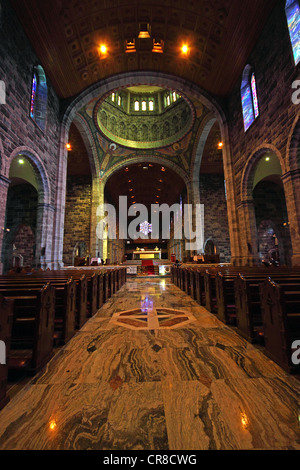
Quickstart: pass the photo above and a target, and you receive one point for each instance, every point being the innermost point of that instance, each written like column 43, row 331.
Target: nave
column 144, row 373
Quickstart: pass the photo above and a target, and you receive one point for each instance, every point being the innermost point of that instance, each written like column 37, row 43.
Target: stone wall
column 17, row 130
column 77, row 215
column 212, row 195
column 275, row 71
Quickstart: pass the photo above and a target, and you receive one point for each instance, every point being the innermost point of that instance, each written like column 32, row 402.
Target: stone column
column 58, row 241
column 247, row 234
column 4, row 185
column 44, row 236
column 291, row 185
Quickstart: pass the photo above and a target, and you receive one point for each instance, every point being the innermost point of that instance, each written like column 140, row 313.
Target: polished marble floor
column 153, row 370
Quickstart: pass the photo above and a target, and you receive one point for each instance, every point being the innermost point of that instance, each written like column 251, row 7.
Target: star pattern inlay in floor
column 153, row 370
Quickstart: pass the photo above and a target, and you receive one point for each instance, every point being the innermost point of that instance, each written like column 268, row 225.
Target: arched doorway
column 268, row 233
column 20, row 231
column 151, row 184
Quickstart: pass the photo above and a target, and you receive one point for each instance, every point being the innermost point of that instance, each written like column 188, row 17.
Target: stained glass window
column 151, row 105
column 144, row 106
column 254, row 96
column 137, row 106
column 292, row 10
column 145, row 228
column 33, row 96
column 249, row 98
column 247, row 107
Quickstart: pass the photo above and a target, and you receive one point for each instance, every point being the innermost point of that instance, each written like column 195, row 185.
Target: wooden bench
column 6, row 320
column 55, row 276
column 65, row 303
column 281, row 320
column 31, row 345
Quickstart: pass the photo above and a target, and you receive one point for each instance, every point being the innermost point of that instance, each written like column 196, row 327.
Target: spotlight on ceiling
column 158, row 46
column 145, row 31
column 220, row 145
column 103, row 51
column 130, row 45
column 185, row 50
column 69, row 147
column 21, row 161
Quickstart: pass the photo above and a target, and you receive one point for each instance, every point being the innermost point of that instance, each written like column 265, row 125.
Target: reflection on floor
column 153, row 370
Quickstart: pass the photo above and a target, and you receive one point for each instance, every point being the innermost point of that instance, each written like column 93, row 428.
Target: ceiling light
column 158, row 46
column 21, row 161
column 145, row 31
column 130, row 45
column 163, row 168
column 185, row 49
column 267, row 159
column 68, row 146
column 220, row 145
column 103, row 50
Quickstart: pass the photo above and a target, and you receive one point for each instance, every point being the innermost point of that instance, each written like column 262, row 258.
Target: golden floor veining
column 152, row 370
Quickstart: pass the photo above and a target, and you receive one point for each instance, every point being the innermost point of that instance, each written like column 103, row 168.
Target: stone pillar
column 94, row 241
column 248, row 234
column 44, row 235
column 4, row 185
column 58, row 241
column 291, row 185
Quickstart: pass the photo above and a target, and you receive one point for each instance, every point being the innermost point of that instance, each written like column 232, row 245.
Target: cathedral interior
column 150, row 225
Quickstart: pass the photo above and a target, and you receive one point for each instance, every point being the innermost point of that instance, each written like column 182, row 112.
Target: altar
column 146, row 254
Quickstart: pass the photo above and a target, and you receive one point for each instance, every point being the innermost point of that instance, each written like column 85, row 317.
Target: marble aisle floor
column 152, row 370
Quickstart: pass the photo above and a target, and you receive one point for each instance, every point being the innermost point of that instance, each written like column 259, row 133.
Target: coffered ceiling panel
column 66, row 35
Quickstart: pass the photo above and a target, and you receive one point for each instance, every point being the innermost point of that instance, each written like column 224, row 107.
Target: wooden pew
column 31, row 345
column 54, row 277
column 281, row 319
column 65, row 303
column 6, row 320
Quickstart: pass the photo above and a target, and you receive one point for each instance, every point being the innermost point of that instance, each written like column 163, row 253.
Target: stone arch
column 89, row 143
column 247, row 208
column 249, row 169
column 45, row 211
column 103, row 89
column 151, row 159
column 39, row 169
column 293, row 146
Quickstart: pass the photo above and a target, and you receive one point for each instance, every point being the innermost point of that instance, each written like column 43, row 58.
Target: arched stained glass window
column 137, row 106
column 249, row 97
column 292, row 10
column 33, row 96
column 39, row 97
column 151, row 105
column 144, row 106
